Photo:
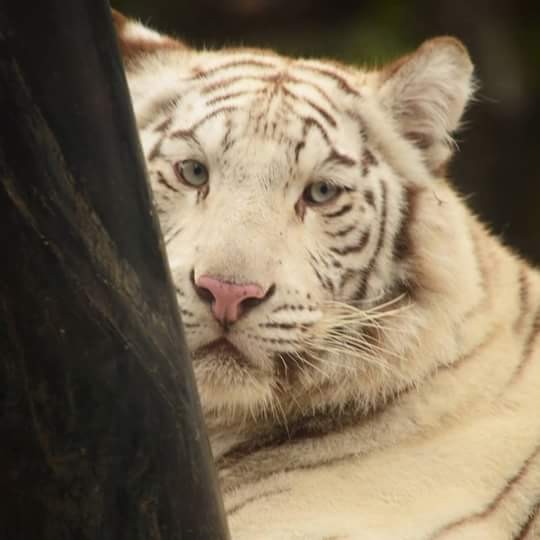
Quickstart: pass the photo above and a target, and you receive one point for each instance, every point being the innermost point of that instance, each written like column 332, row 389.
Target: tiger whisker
column 360, row 345
column 373, row 363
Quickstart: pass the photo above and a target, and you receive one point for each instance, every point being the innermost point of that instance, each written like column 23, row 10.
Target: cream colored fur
column 399, row 406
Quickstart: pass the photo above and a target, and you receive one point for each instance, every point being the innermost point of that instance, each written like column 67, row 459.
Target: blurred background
column 498, row 163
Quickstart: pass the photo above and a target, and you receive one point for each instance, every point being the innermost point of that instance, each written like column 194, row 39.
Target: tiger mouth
column 222, row 350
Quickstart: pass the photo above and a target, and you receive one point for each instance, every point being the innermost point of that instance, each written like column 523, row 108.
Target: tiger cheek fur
column 351, row 323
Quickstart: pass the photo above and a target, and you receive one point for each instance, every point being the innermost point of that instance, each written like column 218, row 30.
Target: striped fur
column 389, row 387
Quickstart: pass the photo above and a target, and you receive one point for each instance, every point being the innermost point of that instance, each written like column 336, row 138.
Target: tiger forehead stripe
column 181, row 133
column 186, row 134
column 315, row 87
column 337, row 77
column 338, row 158
column 232, row 64
column 279, row 79
column 326, row 115
column 225, row 83
column 232, row 95
column 164, row 125
column 310, row 122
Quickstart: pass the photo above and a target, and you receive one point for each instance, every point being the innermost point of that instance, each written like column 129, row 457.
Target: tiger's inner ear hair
column 426, row 93
column 136, row 40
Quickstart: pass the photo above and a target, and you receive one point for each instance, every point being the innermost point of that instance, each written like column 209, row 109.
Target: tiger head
column 312, row 240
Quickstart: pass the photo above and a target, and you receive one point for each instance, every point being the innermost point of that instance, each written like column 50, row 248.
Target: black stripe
column 523, row 298
column 184, row 134
column 274, row 341
column 313, row 86
column 179, row 291
column 359, row 120
column 341, row 212
column 368, row 161
column 342, row 83
column 366, row 273
column 236, row 508
column 403, row 241
column 281, row 326
column 342, row 232
column 491, row 506
column 528, row 349
column 299, row 146
column 303, row 99
column 161, row 180
column 191, row 325
column 309, row 427
column 340, row 159
column 293, row 307
column 354, row 248
column 232, row 95
column 483, row 277
column 156, row 150
column 347, row 275
column 336, row 263
column 189, row 133
column 226, row 142
column 225, row 83
column 169, row 238
column 369, row 197
column 325, row 283
column 310, row 122
column 234, row 64
column 163, row 126
column 527, row 526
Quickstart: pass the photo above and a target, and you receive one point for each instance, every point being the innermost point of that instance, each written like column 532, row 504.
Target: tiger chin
column 367, row 353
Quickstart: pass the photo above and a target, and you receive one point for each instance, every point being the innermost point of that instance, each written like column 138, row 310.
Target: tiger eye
column 320, row 193
column 192, row 172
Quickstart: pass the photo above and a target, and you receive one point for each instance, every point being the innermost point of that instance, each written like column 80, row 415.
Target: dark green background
column 498, row 164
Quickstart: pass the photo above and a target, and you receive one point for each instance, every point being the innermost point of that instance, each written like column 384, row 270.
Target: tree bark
column 101, row 433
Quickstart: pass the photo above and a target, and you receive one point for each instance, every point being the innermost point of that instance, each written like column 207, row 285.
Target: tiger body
column 386, row 385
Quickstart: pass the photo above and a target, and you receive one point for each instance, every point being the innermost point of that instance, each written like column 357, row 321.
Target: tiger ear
column 426, row 93
column 136, row 39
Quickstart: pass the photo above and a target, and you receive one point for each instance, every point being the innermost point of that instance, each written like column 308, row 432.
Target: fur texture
column 387, row 387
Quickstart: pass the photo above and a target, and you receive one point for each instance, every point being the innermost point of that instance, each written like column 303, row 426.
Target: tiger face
column 285, row 190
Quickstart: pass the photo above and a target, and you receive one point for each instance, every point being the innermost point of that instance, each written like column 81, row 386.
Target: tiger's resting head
column 313, row 242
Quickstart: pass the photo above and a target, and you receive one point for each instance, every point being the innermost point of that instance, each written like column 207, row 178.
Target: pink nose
column 229, row 298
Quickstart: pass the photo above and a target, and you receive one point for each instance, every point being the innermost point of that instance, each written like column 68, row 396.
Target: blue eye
column 320, row 192
column 192, row 172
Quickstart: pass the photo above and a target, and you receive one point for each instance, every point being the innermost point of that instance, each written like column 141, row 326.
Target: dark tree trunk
column 101, row 434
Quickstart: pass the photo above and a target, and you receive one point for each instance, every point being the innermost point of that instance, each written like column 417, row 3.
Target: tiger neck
column 233, row 440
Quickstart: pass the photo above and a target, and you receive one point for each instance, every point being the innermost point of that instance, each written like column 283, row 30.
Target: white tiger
column 367, row 354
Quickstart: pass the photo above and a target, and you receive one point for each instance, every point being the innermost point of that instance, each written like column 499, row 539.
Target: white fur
column 431, row 431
